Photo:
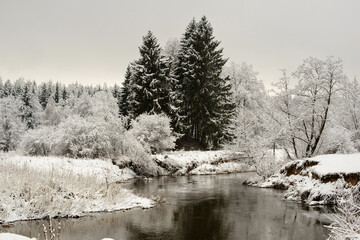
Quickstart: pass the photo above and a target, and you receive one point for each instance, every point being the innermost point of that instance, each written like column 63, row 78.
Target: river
column 198, row 207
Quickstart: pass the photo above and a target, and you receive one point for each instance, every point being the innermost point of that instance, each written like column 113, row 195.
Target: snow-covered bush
column 52, row 114
column 76, row 137
column 84, row 137
column 266, row 165
column 11, row 126
column 337, row 140
column 140, row 158
column 101, row 105
column 39, row 141
column 153, row 132
column 355, row 137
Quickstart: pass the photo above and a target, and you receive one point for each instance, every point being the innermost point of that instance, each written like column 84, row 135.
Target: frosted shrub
column 338, row 140
column 82, row 137
column 76, row 137
column 101, row 105
column 52, row 114
column 140, row 157
column 355, row 137
column 11, row 126
column 266, row 166
column 153, row 132
column 38, row 141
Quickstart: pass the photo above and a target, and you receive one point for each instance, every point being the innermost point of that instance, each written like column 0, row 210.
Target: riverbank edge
column 321, row 180
column 8, row 224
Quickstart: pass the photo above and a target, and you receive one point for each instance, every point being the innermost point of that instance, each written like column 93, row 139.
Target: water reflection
column 199, row 207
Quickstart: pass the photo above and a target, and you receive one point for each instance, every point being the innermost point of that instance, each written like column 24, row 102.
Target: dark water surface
column 199, row 207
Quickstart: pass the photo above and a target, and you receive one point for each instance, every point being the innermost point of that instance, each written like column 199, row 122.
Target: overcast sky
column 92, row 41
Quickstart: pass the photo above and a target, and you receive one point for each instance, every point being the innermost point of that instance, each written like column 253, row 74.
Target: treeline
column 188, row 87
column 185, row 85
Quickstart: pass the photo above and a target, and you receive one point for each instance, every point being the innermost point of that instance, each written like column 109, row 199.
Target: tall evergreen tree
column 116, row 92
column 7, row 88
column 18, row 87
column 64, row 94
column 150, row 81
column 50, row 90
column 57, row 93
column 206, row 97
column 124, row 93
column 1, row 88
column 43, row 95
column 34, row 88
column 30, row 107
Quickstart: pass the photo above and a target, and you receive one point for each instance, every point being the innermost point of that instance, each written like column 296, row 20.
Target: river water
column 198, row 207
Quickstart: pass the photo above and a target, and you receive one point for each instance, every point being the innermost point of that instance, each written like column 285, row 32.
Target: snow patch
column 11, row 236
column 337, row 163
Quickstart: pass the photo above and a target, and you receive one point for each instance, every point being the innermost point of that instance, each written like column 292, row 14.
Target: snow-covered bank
column 317, row 180
column 36, row 187
column 202, row 162
column 11, row 236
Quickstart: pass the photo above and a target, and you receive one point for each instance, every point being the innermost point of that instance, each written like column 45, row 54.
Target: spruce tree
column 1, row 88
column 116, row 92
column 206, row 97
column 57, row 93
column 7, row 91
column 150, row 81
column 30, row 107
column 124, row 93
column 18, row 87
column 184, row 74
column 64, row 94
column 34, row 88
column 43, row 95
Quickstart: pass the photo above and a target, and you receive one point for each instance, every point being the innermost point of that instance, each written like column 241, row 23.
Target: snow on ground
column 203, row 162
column 337, row 163
column 36, row 187
column 104, row 170
column 11, row 236
column 318, row 180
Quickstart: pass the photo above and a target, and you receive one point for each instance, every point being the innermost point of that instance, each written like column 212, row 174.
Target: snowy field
column 318, row 180
column 36, row 187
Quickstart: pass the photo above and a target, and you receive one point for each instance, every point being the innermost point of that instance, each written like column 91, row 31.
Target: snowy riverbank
column 36, row 187
column 10, row 236
column 202, row 162
column 317, row 180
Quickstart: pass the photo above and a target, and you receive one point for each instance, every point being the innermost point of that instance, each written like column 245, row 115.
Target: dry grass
column 346, row 223
column 29, row 193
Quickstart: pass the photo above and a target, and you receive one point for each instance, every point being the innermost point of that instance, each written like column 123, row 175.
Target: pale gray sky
column 92, row 41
